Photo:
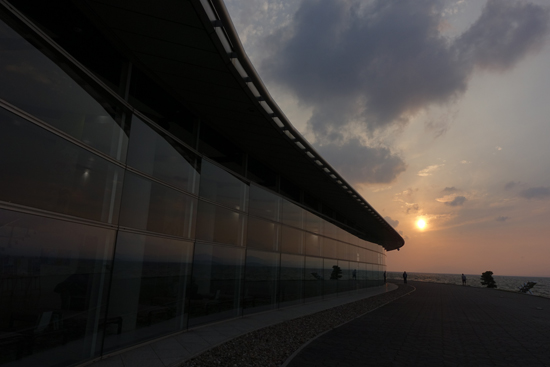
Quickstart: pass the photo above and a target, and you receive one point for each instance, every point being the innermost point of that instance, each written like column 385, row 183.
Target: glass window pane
column 291, row 278
column 161, row 157
column 260, row 287
column 150, row 206
column 292, row 240
column 292, row 214
column 313, row 245
column 362, row 275
column 262, row 234
column 32, row 82
column 216, row 283
column 312, row 222
column 313, row 278
column 217, row 224
column 345, row 282
column 42, row 170
column 343, row 250
column 264, row 203
column 329, row 247
column 219, row 186
column 148, row 290
column 54, row 280
column 332, row 274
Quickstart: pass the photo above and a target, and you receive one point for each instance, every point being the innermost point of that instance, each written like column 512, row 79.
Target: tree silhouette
column 487, row 279
column 336, row 272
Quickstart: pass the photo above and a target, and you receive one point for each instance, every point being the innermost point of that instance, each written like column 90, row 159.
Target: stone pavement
column 173, row 350
column 440, row 325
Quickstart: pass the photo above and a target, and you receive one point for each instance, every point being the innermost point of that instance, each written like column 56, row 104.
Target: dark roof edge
column 220, row 18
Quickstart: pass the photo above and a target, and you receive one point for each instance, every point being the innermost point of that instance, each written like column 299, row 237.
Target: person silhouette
column 463, row 279
column 405, row 277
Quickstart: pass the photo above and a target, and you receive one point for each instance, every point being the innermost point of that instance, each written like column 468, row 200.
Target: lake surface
column 509, row 283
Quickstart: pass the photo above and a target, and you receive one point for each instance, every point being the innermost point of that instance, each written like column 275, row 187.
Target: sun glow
column 421, row 223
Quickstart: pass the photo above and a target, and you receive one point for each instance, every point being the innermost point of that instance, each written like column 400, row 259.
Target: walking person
column 384, row 277
column 405, row 277
column 463, row 279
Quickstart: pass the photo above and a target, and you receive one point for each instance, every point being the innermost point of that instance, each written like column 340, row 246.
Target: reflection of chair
column 317, row 276
column 526, row 287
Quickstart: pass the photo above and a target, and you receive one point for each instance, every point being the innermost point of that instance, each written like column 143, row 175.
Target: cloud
column 449, row 189
column 510, row 185
column 359, row 163
column 393, row 222
column 376, row 64
column 457, row 201
column 412, row 208
column 465, row 161
column 429, row 170
column 536, row 193
column 502, row 219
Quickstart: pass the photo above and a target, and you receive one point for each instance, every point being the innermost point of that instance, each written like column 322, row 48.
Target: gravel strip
column 272, row 345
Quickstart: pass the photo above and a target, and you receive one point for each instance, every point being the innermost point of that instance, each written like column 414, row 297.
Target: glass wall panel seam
column 223, row 206
column 154, row 234
column 151, row 178
column 54, row 215
column 30, row 118
column 153, row 124
column 71, row 60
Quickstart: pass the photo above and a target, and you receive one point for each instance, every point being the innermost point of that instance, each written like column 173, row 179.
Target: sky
column 434, row 110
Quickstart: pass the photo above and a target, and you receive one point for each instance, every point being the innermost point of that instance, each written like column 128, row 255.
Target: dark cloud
column 457, row 201
column 502, row 219
column 510, row 185
column 412, row 208
column 536, row 193
column 378, row 64
column 393, row 222
column 358, row 163
column 449, row 189
column 504, row 34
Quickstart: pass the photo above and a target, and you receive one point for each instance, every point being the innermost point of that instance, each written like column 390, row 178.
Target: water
column 509, row 283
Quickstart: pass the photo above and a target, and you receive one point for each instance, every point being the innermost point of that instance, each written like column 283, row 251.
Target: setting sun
column 421, row 223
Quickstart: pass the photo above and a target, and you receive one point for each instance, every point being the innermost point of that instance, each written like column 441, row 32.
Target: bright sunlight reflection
column 421, row 223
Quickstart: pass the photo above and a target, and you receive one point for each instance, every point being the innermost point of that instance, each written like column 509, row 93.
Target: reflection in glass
column 262, row 234
column 345, row 282
column 312, row 222
column 150, row 206
column 291, row 278
column 343, row 250
column 148, row 290
column 313, row 246
column 42, row 170
column 354, row 276
column 362, row 275
column 217, row 224
column 39, row 86
column 260, row 287
column 263, row 203
column 161, row 157
column 221, row 187
column 292, row 214
column 292, row 240
column 215, row 283
column 313, row 278
column 332, row 275
column 329, row 247
column 54, row 278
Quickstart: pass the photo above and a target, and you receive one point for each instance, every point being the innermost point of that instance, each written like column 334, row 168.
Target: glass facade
column 114, row 231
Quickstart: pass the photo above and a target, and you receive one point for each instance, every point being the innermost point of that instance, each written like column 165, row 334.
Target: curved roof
column 193, row 49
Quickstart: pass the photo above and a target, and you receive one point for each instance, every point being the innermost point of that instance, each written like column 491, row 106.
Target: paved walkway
column 173, row 350
column 440, row 325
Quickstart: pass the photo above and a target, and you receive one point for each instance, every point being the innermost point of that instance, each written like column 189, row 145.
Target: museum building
column 150, row 184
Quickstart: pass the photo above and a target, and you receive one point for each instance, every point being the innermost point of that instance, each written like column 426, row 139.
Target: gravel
column 273, row 345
